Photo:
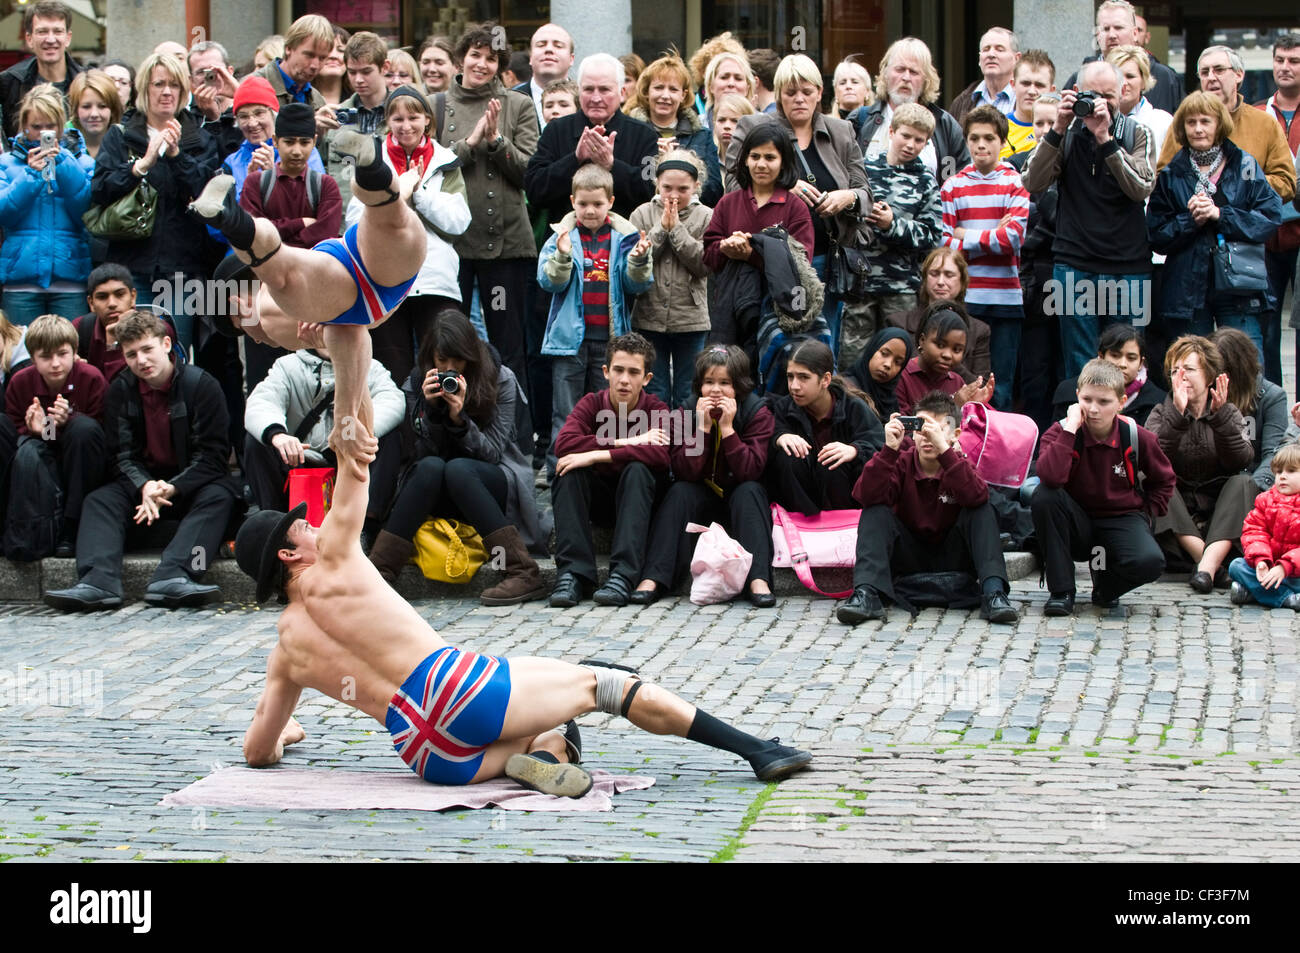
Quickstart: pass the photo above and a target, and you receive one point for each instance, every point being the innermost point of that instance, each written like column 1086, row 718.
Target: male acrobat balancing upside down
column 349, row 284
column 455, row 716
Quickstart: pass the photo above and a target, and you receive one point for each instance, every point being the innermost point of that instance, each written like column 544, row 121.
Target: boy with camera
column 924, row 509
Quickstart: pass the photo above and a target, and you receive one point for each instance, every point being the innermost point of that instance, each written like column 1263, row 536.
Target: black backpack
column 36, row 511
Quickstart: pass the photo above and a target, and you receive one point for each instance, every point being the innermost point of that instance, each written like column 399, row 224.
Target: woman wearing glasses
column 160, row 144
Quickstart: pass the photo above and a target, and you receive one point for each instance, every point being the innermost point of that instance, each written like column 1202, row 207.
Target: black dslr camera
column 1085, row 104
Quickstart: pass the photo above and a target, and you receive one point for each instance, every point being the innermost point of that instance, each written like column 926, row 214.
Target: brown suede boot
column 523, row 582
column 390, row 553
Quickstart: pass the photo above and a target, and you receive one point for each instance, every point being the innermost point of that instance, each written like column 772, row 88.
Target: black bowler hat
column 258, row 542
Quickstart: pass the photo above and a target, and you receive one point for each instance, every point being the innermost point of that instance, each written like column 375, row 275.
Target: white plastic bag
column 719, row 567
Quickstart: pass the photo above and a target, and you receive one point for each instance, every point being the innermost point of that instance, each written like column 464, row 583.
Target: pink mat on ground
column 333, row 790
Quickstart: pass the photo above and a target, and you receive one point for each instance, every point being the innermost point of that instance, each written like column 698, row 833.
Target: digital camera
column 346, row 116
column 1085, row 104
column 449, row 381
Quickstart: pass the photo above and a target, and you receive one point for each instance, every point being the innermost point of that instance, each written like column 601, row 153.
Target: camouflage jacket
column 896, row 252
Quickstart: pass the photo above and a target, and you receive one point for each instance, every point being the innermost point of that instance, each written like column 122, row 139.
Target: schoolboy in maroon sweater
column 611, row 454
column 57, row 406
column 1091, row 504
column 924, row 509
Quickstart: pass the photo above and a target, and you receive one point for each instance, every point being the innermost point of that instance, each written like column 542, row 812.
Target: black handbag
column 847, row 271
column 1239, row 268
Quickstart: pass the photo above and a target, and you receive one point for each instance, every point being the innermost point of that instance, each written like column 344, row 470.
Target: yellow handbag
column 448, row 551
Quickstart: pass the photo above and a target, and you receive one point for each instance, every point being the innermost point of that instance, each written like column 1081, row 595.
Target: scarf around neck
column 1212, row 157
column 401, row 161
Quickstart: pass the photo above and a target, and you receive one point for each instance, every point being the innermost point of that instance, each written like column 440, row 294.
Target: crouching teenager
column 717, row 479
column 924, row 509
column 1103, row 480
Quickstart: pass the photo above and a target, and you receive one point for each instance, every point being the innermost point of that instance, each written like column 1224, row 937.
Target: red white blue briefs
column 374, row 301
column 447, row 712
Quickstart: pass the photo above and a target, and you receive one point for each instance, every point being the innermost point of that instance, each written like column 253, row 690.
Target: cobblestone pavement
column 1165, row 732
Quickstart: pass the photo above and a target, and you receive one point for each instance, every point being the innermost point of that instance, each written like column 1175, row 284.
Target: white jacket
column 440, row 203
column 297, row 382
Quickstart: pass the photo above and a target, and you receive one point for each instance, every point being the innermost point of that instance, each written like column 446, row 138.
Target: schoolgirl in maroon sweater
column 941, row 342
column 717, row 479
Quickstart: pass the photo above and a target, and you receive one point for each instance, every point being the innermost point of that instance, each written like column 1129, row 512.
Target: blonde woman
column 160, row 142
column 852, row 86
column 402, row 70
column 663, row 99
column 726, row 73
column 1135, row 65
column 95, row 104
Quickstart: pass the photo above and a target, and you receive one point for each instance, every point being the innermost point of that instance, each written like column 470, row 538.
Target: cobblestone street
column 1168, row 732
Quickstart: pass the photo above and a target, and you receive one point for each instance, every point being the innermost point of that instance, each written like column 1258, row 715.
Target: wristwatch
column 496, row 143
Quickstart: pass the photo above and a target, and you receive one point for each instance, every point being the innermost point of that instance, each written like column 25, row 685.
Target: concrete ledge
column 26, row 582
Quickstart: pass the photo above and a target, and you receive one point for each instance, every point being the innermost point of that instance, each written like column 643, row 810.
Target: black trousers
column 8, row 447
column 396, row 342
column 504, row 298
column 744, row 511
column 265, row 473
column 107, row 517
column 474, row 491
column 581, row 497
column 219, row 356
column 887, row 548
column 1120, row 549
column 79, row 455
column 539, row 381
column 805, row 486
column 1041, row 365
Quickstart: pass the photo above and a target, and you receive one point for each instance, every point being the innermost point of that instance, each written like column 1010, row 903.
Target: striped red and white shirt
column 977, row 202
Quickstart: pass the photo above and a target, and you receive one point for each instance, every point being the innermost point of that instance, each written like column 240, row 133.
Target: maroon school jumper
column 737, row 212
column 927, row 505
column 595, row 425
column 915, row 382
column 1096, row 477
column 83, row 390
column 289, row 206
column 741, row 457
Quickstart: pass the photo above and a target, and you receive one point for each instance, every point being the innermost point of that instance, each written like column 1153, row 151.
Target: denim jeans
column 24, row 307
column 1241, row 572
column 1087, row 301
column 1004, row 347
column 172, row 297
column 680, row 350
column 1281, row 274
column 1204, row 321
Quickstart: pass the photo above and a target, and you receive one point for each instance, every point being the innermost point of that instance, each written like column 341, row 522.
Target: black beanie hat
column 295, row 121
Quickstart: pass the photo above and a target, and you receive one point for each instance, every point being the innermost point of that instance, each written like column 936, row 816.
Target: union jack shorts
column 447, row 712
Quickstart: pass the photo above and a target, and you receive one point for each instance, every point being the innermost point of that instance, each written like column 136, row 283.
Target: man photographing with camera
column 1104, row 167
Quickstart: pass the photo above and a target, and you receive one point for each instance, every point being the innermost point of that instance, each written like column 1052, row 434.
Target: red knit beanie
column 255, row 91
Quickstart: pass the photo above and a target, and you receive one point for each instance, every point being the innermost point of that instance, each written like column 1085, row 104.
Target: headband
column 679, row 164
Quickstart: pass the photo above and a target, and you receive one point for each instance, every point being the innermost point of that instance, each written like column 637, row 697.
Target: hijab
column 883, row 394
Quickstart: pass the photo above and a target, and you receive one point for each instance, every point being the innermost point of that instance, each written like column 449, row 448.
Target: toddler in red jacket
column 1269, row 573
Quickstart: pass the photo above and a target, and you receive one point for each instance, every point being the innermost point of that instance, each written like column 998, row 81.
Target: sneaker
column 1239, row 595
column 615, row 591
column 1291, row 602
column 778, row 761
column 541, row 772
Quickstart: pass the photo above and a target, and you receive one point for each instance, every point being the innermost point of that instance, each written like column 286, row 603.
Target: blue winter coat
column 693, row 135
column 565, row 325
column 1249, row 211
column 44, row 239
